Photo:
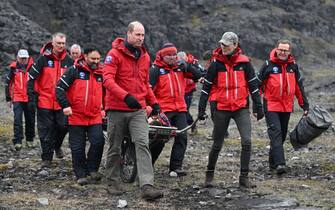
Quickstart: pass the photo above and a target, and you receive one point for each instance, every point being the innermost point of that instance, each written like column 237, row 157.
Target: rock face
column 193, row 25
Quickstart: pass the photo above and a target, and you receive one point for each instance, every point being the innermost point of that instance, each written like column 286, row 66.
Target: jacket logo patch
column 99, row 79
column 50, row 63
column 108, row 59
column 81, row 75
column 275, row 69
column 162, row 71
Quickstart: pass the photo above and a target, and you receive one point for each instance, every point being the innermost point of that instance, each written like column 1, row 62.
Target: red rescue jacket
column 18, row 79
column 83, row 87
column 232, row 86
column 46, row 71
column 281, row 81
column 124, row 74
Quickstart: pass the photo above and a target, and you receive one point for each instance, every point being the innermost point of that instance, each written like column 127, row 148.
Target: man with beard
column 79, row 92
column 43, row 75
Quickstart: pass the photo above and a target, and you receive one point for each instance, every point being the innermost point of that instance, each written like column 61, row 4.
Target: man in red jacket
column 190, row 85
column 167, row 79
column 16, row 94
column 280, row 81
column 234, row 79
column 126, row 79
column 43, row 75
column 79, row 92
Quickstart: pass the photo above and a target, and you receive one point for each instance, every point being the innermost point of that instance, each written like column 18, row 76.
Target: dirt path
column 310, row 183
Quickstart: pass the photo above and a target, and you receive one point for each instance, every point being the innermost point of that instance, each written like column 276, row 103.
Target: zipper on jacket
column 235, row 79
column 86, row 93
column 281, row 84
column 227, row 92
column 171, row 87
column 21, row 80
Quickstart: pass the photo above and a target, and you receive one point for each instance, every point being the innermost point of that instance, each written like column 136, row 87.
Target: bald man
column 126, row 79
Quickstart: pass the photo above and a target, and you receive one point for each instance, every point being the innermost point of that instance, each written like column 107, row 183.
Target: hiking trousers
column 221, row 123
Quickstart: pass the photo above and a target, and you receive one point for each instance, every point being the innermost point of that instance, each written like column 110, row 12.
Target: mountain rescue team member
column 79, row 92
column 190, row 85
column 75, row 51
column 235, row 79
column 126, row 79
column 167, row 79
column 280, row 81
column 16, row 94
column 43, row 75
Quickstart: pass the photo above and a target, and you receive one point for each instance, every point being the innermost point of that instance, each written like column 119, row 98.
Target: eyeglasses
column 283, row 50
column 60, row 43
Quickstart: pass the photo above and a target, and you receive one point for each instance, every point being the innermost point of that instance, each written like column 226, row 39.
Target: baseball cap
column 23, row 53
column 229, row 38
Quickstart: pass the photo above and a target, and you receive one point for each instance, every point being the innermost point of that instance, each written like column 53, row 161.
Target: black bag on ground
column 311, row 126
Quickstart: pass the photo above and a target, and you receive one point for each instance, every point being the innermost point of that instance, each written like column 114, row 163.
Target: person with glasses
column 167, row 78
column 43, row 76
column 280, row 80
column 234, row 78
column 16, row 94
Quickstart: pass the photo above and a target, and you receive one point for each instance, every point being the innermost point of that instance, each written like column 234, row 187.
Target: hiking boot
column 244, row 182
column 180, row 172
column 17, row 147
column 209, row 137
column 281, row 169
column 209, row 179
column 114, row 188
column 148, row 192
column 46, row 164
column 30, row 144
column 95, row 177
column 82, row 181
column 59, row 153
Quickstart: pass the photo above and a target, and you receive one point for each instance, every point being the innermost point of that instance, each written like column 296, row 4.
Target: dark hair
column 284, row 41
column 90, row 49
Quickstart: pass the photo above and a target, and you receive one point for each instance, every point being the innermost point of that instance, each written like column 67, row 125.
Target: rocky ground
column 310, row 183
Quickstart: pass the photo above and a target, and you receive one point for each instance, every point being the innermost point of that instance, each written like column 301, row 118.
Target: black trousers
column 188, row 99
column 177, row 119
column 52, row 129
column 84, row 164
column 20, row 109
column 277, row 123
column 221, row 123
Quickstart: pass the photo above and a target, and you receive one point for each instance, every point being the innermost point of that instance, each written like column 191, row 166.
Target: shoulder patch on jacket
column 108, row 59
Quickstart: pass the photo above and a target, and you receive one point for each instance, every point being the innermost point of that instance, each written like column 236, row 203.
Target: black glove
column 155, row 109
column 260, row 114
column 183, row 65
column 132, row 102
column 202, row 115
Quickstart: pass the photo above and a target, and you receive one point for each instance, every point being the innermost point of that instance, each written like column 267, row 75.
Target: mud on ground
column 310, row 183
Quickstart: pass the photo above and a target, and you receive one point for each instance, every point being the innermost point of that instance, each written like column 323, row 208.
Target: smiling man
column 126, row 79
column 233, row 77
column 280, row 80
